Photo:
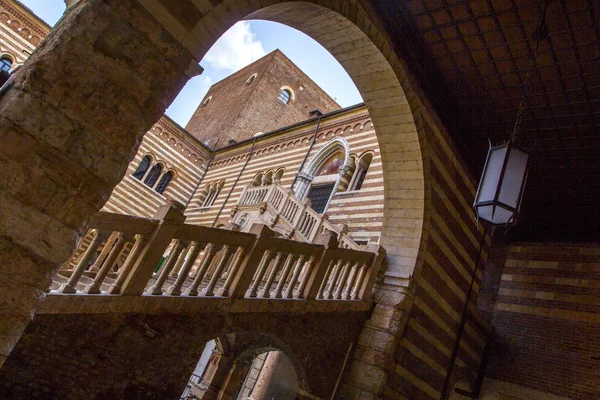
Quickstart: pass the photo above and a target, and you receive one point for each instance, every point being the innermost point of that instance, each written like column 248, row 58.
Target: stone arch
column 462, row 378
column 342, row 27
column 288, row 89
column 249, row 344
column 394, row 106
column 307, row 174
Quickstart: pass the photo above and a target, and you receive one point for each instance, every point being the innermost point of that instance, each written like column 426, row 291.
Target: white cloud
column 234, row 50
column 207, row 80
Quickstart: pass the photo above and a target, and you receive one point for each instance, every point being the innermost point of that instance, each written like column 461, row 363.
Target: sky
column 242, row 44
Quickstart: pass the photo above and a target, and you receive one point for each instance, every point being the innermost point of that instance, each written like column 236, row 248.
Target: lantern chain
column 539, row 34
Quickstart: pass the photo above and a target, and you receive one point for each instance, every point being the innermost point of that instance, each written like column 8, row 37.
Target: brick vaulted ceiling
column 471, row 58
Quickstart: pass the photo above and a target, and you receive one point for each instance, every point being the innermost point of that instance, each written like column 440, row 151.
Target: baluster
column 346, row 271
column 284, row 275
column 239, row 257
column 209, row 254
column 305, row 277
column 105, row 251
column 359, row 282
column 227, row 252
column 301, row 221
column 295, row 276
column 178, row 247
column 348, row 289
column 262, row 268
column 69, row 286
column 134, row 254
column 115, row 251
column 193, row 251
column 334, row 278
column 309, row 227
column 266, row 292
column 175, row 271
column 306, row 224
column 300, row 224
column 330, row 267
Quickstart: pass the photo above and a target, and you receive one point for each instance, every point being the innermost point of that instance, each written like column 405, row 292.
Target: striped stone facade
column 546, row 314
column 361, row 210
column 20, row 31
column 175, row 150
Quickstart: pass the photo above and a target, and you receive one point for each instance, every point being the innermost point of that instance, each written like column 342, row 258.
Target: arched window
column 277, row 176
column 347, row 177
column 257, row 181
column 153, row 175
column 331, row 165
column 212, row 192
column 205, row 102
column 361, row 171
column 203, row 195
column 164, row 182
column 321, row 176
column 251, row 79
column 268, row 178
column 284, row 96
column 5, row 63
column 142, row 168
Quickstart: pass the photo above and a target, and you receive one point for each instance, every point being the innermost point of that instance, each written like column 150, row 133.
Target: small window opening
column 284, row 96
column 251, row 79
column 153, row 175
column 142, row 168
column 319, row 196
column 211, row 192
column 205, row 102
column 5, row 64
column 164, row 182
column 361, row 171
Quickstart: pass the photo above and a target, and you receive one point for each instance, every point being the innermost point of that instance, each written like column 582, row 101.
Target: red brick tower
column 270, row 93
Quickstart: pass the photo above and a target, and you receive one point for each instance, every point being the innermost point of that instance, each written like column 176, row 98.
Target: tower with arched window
column 270, row 93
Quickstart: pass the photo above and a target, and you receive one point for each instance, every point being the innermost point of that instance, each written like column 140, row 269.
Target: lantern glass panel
column 514, row 177
column 497, row 215
column 491, row 175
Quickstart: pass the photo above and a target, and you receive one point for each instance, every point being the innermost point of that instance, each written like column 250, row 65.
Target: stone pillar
column 266, row 375
column 70, row 3
column 71, row 119
column 232, row 381
column 215, row 377
column 373, row 360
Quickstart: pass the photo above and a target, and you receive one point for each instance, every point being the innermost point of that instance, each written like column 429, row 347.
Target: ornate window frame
column 306, row 176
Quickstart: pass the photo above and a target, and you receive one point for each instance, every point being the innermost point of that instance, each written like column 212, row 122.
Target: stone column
column 71, row 119
column 266, row 376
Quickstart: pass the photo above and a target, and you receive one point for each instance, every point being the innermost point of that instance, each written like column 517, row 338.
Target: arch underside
column 345, row 31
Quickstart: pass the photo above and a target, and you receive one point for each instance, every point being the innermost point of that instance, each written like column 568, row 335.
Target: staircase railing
column 282, row 207
column 121, row 254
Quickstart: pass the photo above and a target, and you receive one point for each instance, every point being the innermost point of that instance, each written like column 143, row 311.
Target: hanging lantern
column 500, row 191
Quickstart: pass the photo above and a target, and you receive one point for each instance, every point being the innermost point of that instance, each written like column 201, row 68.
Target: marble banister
column 215, row 262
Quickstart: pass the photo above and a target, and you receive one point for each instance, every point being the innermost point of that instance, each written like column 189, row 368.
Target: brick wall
column 238, row 110
column 114, row 356
column 547, row 319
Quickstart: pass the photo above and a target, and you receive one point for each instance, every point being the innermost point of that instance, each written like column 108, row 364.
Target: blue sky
column 244, row 43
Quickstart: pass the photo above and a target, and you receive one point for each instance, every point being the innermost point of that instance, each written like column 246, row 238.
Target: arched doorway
column 245, row 366
column 112, row 110
column 320, row 178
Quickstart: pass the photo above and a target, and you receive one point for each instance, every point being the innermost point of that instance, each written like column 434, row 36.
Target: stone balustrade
column 122, row 255
column 279, row 208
